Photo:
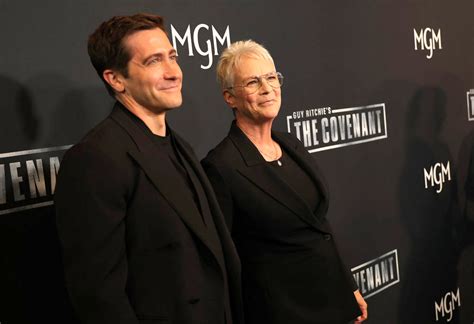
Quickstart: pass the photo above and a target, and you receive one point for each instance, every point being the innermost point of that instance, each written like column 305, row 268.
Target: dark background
column 333, row 54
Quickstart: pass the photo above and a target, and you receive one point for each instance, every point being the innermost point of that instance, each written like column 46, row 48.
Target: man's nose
column 172, row 70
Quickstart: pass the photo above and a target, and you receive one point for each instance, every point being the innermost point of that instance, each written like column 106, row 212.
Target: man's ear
column 229, row 98
column 114, row 79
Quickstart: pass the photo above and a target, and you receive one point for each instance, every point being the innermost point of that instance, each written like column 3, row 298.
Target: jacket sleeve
column 91, row 203
column 347, row 270
column 221, row 189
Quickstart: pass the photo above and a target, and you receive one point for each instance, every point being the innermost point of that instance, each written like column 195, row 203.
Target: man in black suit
column 142, row 234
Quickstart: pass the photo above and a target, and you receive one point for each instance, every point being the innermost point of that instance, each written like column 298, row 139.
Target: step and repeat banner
column 381, row 93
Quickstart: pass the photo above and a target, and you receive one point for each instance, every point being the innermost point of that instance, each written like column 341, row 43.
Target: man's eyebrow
column 158, row 55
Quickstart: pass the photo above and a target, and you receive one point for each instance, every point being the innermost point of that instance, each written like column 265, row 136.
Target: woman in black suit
column 275, row 200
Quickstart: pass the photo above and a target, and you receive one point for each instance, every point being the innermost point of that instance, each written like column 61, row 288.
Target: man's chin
column 174, row 105
column 172, row 102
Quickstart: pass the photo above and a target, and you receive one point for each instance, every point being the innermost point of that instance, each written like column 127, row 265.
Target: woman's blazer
column 291, row 268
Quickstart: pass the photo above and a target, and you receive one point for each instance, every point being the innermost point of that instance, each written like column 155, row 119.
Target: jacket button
column 193, row 300
column 327, row 237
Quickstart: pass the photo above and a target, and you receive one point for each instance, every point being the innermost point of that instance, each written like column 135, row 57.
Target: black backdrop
column 334, row 55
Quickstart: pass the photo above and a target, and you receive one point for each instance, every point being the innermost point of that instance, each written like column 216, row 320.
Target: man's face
column 154, row 76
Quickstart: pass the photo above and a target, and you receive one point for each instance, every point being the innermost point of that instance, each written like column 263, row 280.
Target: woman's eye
column 252, row 82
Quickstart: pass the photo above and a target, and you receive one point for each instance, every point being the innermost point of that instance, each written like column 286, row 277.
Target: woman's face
column 262, row 105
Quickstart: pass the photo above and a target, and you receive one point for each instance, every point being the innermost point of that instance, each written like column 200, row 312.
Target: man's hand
column 362, row 306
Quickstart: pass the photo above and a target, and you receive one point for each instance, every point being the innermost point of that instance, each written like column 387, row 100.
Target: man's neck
column 156, row 122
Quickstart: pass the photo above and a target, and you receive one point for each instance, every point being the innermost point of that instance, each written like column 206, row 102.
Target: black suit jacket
column 135, row 246
column 291, row 268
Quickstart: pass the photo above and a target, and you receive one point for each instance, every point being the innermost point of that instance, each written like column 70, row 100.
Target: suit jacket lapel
column 163, row 175
column 230, row 261
column 264, row 177
column 304, row 160
column 215, row 213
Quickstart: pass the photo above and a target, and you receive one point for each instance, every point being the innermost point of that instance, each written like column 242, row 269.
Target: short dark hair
column 105, row 45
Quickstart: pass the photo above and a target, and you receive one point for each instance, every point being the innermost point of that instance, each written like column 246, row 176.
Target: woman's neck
column 259, row 134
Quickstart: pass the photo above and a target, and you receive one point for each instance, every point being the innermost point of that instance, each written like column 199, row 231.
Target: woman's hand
column 362, row 306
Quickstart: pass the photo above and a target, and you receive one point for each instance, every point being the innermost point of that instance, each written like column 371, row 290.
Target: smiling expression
column 154, row 77
column 261, row 106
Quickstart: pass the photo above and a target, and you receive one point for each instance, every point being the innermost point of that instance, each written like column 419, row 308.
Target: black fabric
column 134, row 244
column 207, row 219
column 291, row 268
column 167, row 145
column 297, row 179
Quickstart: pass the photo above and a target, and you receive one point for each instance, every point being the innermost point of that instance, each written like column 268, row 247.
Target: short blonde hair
column 231, row 57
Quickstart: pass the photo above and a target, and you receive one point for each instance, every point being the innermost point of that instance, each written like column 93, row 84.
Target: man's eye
column 174, row 57
column 153, row 61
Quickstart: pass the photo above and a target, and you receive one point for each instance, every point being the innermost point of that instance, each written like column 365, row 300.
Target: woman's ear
column 229, row 98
